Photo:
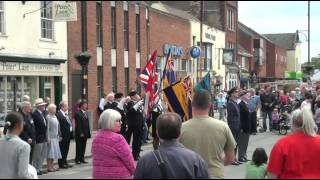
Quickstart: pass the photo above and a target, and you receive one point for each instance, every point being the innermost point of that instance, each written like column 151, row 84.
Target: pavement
column 84, row 171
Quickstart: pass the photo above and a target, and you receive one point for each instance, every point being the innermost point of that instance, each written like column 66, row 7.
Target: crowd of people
column 198, row 148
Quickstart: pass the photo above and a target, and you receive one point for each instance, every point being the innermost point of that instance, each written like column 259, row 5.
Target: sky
column 267, row 17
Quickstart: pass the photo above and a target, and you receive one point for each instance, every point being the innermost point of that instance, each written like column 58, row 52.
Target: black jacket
column 29, row 131
column 40, row 124
column 82, row 125
column 233, row 115
column 134, row 117
column 64, row 126
column 267, row 102
column 244, row 118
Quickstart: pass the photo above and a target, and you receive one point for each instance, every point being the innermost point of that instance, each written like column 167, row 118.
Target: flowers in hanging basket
column 83, row 58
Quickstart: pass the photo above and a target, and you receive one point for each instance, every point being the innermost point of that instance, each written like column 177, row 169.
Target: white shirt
column 102, row 104
column 68, row 119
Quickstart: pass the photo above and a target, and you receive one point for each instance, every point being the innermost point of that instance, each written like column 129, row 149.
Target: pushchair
column 284, row 122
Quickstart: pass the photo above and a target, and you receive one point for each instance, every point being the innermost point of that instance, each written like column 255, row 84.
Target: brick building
column 120, row 37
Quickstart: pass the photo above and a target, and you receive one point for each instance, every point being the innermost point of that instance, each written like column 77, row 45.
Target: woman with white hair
column 297, row 155
column 53, row 138
column 111, row 155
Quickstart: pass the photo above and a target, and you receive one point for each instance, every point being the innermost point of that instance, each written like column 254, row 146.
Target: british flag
column 149, row 79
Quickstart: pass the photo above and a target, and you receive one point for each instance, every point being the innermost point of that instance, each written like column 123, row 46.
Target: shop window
column 2, row 99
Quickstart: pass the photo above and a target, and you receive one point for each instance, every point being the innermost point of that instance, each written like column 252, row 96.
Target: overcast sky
column 284, row 17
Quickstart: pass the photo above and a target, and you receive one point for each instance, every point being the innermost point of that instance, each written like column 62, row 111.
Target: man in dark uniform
column 66, row 134
column 135, row 123
column 234, row 117
column 119, row 105
column 82, row 132
column 29, row 132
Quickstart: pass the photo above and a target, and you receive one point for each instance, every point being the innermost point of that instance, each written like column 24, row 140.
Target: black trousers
column 31, row 153
column 137, row 139
column 253, row 118
column 81, row 144
column 236, row 135
column 64, row 148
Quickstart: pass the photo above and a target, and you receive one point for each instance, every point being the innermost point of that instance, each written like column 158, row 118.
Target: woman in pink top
column 112, row 157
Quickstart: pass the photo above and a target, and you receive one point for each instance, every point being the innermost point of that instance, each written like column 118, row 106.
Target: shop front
column 33, row 79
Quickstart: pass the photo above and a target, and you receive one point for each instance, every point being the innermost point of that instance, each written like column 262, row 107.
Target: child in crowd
column 275, row 119
column 257, row 168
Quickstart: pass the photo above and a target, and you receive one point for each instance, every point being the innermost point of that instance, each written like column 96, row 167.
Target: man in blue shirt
column 253, row 105
column 221, row 105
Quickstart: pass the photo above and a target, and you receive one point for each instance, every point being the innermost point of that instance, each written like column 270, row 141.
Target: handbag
column 161, row 164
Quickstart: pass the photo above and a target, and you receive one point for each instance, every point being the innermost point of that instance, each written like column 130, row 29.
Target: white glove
column 137, row 105
column 121, row 103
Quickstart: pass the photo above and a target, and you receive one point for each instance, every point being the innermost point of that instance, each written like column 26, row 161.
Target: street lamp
column 83, row 59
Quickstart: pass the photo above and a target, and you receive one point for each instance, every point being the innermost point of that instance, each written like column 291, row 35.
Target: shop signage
column 210, row 36
column 195, row 52
column 175, row 50
column 64, row 11
column 228, row 56
column 27, row 67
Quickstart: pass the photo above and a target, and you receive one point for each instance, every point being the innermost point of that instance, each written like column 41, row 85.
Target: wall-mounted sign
column 210, row 36
column 28, row 67
column 228, row 56
column 195, row 52
column 176, row 51
column 64, row 11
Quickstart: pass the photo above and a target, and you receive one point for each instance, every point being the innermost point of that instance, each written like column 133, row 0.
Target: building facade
column 121, row 36
column 33, row 54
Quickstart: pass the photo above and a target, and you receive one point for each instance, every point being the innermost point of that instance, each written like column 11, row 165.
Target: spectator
column 53, row 138
column 268, row 101
column 253, row 105
column 66, row 134
column 109, row 101
column 257, row 168
column 14, row 152
column 245, row 129
column 41, row 148
column 308, row 101
column 82, row 132
column 233, row 118
column 172, row 160
column 317, row 116
column 29, row 133
column 221, row 104
column 102, row 103
column 296, row 156
column 111, row 155
column 210, row 138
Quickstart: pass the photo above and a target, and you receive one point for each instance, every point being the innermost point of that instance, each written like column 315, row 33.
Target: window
column 208, row 57
column 47, row 24
column 127, row 80
column 114, row 79
column 138, row 71
column 2, row 31
column 184, row 65
column 231, row 20
column 113, row 28
column 126, row 30
column 243, row 62
column 100, row 82
column 138, row 32
column 99, row 23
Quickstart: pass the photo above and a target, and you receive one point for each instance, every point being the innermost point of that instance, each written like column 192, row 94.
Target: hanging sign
column 64, row 11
